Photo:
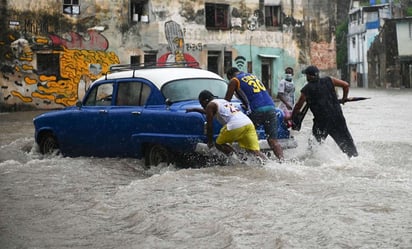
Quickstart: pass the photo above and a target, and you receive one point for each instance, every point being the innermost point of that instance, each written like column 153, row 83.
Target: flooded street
column 318, row 198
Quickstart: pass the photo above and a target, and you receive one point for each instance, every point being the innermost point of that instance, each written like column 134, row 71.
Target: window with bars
column 48, row 64
column 272, row 16
column 150, row 58
column 139, row 11
column 71, row 7
column 217, row 16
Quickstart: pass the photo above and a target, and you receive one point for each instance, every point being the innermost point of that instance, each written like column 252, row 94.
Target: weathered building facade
column 390, row 55
column 51, row 51
column 372, row 43
column 364, row 25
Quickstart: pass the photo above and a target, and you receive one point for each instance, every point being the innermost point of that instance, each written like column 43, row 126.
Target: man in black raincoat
column 320, row 95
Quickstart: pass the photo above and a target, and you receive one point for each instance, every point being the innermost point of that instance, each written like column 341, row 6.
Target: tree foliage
column 342, row 47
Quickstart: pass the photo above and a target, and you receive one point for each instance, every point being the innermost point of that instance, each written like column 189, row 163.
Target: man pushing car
column 237, row 127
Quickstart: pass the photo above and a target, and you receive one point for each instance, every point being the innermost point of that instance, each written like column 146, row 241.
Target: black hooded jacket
column 323, row 102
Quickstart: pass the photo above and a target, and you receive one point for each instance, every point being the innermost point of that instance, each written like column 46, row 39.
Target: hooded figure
column 320, row 96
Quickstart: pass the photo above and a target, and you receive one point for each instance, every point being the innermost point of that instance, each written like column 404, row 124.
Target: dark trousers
column 340, row 133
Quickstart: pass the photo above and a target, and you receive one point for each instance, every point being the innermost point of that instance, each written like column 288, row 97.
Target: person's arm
column 299, row 104
column 233, row 88
column 211, row 110
column 344, row 85
column 283, row 99
column 201, row 110
column 281, row 94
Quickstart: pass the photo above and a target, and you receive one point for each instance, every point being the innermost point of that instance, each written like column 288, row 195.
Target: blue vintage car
column 138, row 112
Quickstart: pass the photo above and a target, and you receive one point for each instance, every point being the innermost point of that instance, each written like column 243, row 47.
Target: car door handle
column 136, row 113
column 102, row 111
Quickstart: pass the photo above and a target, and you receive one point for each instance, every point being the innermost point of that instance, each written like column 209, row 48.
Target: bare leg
column 225, row 148
column 258, row 153
column 277, row 149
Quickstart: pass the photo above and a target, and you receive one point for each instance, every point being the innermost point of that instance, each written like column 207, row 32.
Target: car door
column 125, row 118
column 88, row 130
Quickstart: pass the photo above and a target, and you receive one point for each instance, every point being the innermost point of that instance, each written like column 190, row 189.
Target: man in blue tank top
column 320, row 95
column 254, row 96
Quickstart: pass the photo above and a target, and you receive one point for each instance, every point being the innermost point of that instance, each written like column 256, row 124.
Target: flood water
column 318, row 198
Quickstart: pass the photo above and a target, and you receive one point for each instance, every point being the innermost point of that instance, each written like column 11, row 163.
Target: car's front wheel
column 156, row 154
column 48, row 144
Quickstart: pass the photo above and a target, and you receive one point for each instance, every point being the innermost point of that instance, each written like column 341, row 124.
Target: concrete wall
column 86, row 45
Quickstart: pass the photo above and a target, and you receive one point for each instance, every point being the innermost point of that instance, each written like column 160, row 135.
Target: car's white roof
column 159, row 76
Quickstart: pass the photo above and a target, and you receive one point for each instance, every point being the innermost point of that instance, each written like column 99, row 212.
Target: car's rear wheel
column 157, row 154
column 48, row 144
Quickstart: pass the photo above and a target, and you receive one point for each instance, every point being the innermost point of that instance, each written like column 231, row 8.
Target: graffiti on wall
column 174, row 37
column 241, row 63
column 54, row 71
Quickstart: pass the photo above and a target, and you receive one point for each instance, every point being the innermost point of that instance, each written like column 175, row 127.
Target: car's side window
column 100, row 95
column 132, row 94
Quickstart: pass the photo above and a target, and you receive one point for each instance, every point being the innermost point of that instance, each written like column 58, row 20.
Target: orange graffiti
column 74, row 68
column 29, row 81
column 20, row 96
column 42, row 40
column 47, row 78
column 27, row 67
column 41, row 96
column 74, row 64
column 25, row 58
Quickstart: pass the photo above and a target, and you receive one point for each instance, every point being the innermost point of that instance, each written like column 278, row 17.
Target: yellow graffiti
column 74, row 64
column 41, row 40
column 20, row 96
column 47, row 78
column 29, row 81
column 22, row 58
column 27, row 67
column 41, row 96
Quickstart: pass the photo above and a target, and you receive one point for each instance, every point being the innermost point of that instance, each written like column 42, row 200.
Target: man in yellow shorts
column 237, row 127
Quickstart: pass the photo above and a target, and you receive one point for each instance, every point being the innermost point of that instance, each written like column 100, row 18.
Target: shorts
column 269, row 121
column 246, row 137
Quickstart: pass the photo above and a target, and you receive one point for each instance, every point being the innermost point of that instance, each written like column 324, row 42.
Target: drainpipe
column 250, row 65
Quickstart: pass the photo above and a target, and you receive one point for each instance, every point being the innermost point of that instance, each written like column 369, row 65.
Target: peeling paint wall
column 48, row 59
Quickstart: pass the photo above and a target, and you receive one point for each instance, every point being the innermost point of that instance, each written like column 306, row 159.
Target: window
column 215, row 62
column 227, row 61
column 150, row 58
column 135, row 59
column 71, row 7
column 48, row 64
column 132, row 94
column 189, row 89
column 217, row 16
column 139, row 11
column 100, row 95
column 272, row 16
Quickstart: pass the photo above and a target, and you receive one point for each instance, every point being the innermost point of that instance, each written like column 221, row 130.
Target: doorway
column 267, row 75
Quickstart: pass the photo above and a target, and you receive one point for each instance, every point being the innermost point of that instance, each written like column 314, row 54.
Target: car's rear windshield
column 189, row 89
